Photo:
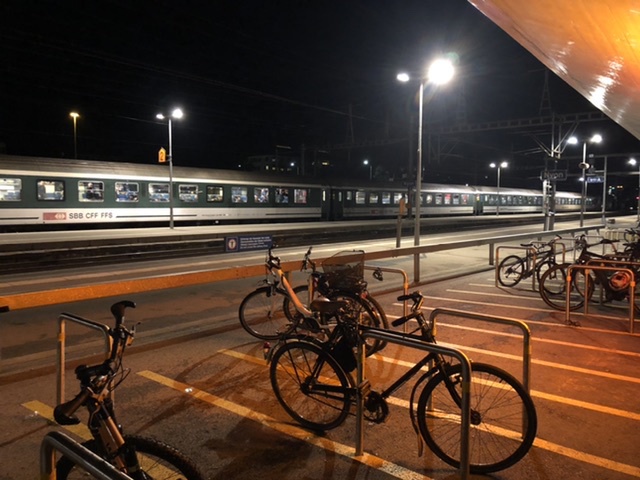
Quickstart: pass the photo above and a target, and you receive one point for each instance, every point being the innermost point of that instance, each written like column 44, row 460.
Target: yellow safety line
column 45, row 411
column 372, row 461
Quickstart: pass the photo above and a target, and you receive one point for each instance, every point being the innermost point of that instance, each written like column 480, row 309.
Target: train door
column 332, row 203
column 478, row 205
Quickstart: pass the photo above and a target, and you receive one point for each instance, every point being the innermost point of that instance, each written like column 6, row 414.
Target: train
column 54, row 193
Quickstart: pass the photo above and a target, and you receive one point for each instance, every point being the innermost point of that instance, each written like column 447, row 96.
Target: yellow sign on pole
column 162, row 155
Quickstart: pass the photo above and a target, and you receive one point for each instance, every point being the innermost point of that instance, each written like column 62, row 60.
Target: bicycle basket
column 345, row 271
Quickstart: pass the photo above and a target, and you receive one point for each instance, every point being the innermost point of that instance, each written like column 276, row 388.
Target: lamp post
column 584, row 166
column 177, row 114
column 499, row 166
column 75, row 116
column 439, row 72
column 367, row 162
column 633, row 161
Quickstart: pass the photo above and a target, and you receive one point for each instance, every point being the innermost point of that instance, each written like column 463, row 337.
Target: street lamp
column 633, row 161
column 499, row 166
column 177, row 114
column 367, row 162
column 597, row 138
column 75, row 116
column 440, row 72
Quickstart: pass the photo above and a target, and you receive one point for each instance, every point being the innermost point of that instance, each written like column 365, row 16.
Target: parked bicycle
column 264, row 315
column 540, row 257
column 614, row 284
column 312, row 381
column 342, row 278
column 139, row 457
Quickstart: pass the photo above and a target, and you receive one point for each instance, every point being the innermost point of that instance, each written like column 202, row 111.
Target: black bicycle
column 139, row 457
column 540, row 257
column 313, row 383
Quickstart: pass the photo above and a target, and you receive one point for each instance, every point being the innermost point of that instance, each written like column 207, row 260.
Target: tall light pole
column 584, row 166
column 75, row 116
column 367, row 162
column 633, row 161
column 499, row 166
column 439, row 72
column 177, row 114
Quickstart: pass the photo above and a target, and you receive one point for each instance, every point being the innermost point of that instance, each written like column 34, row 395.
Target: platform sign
column 557, row 175
column 595, row 179
column 243, row 243
column 162, row 155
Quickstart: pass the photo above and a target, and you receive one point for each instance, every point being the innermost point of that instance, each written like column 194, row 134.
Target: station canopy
column 593, row 45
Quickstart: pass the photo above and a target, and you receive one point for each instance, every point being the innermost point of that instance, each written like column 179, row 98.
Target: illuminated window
column 50, row 190
column 373, row 198
column 215, row 193
column 360, row 198
column 89, row 191
column 386, row 198
column 159, row 192
column 238, row 194
column 188, row 193
column 447, row 199
column 261, row 194
column 282, row 195
column 301, row 195
column 10, row 189
column 127, row 192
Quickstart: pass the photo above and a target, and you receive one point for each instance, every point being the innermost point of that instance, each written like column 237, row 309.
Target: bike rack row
column 78, row 454
column 415, row 342
column 610, row 267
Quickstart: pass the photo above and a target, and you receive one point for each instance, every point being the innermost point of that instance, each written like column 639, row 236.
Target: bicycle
column 343, row 278
column 139, row 457
column 313, row 383
column 539, row 258
column 262, row 313
column 614, row 284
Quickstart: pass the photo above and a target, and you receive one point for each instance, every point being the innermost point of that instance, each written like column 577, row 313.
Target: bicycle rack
column 61, row 354
column 526, row 335
column 78, row 454
column 533, row 261
column 415, row 342
column 612, row 268
column 405, row 281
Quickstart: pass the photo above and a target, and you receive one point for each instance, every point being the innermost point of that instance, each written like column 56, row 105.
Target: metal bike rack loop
column 526, row 335
column 61, row 354
column 414, row 341
column 87, row 460
column 405, row 281
column 611, row 268
column 534, row 259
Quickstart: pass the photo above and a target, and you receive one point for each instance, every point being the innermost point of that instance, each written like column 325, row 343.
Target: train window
column 373, row 198
column 188, row 193
column 215, row 193
column 360, row 198
column 429, row 199
column 238, row 194
column 464, row 199
column 349, row 195
column 90, row 191
column 282, row 195
column 456, row 199
column 300, row 195
column 50, row 190
column 159, row 192
column 386, row 198
column 127, row 192
column 261, row 194
column 447, row 199
column 396, row 198
column 438, row 199
column 10, row 189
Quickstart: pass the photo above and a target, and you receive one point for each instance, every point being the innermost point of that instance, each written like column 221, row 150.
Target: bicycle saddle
column 324, row 305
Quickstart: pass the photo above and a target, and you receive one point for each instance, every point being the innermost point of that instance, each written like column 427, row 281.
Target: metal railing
column 81, row 456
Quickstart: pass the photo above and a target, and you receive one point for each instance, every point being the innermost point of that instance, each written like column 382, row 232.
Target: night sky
column 253, row 75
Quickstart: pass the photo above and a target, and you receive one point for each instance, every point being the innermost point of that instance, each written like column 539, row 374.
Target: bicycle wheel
column 310, row 385
column 511, row 270
column 503, row 418
column 261, row 314
column 542, row 267
column 157, row 460
column 553, row 288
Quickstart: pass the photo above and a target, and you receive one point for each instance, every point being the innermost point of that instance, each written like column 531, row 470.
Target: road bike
column 342, row 278
column 141, row 458
column 262, row 313
column 312, row 381
column 614, row 284
column 540, row 257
